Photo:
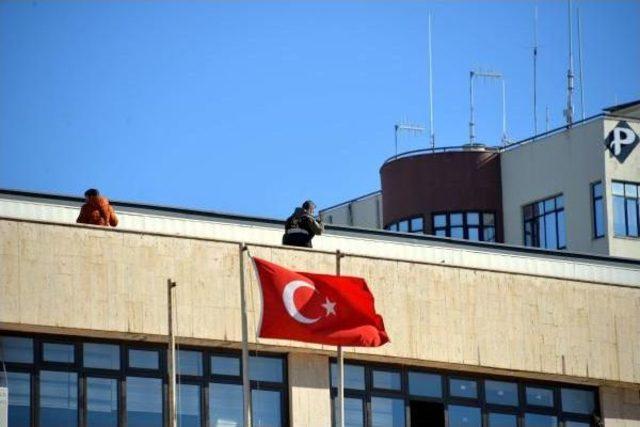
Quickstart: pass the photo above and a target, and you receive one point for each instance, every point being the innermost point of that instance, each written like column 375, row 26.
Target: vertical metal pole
column 171, row 390
column 535, row 71
column 472, row 137
column 395, row 137
column 546, row 119
column 569, row 112
column 431, row 130
column 246, row 385
column 580, row 65
column 340, row 415
column 504, row 114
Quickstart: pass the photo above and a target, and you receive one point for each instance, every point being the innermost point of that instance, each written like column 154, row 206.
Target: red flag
column 317, row 308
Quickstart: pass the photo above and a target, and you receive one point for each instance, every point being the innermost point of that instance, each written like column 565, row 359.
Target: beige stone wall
column 70, row 279
column 309, row 398
column 620, row 407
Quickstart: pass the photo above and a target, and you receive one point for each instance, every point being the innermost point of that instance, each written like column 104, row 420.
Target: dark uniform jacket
column 300, row 228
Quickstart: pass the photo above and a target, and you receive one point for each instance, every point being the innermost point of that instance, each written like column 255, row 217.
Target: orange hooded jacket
column 98, row 211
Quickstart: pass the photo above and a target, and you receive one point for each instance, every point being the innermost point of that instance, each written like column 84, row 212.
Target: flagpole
column 340, row 414
column 246, row 386
column 171, row 389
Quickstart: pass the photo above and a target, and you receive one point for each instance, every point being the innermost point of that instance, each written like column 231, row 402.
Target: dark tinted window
column 16, row 349
column 104, row 356
column 266, row 408
column 58, row 399
column 225, row 405
column 144, row 359
column 189, row 410
column 19, row 399
column 265, row 369
column 55, row 352
column 102, row 402
column 144, row 402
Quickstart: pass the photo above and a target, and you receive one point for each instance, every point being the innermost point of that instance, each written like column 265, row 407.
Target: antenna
column 398, row 127
column 569, row 111
column 546, row 110
column 580, row 65
column 432, row 135
column 497, row 76
column 535, row 70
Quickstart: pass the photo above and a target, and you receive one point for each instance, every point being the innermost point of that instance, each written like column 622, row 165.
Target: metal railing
column 457, row 148
column 498, row 149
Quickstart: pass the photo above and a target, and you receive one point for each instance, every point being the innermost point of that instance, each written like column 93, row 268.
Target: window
column 58, row 398
column 144, row 359
column 625, row 208
column 598, row 210
column 389, row 380
column 479, row 226
column 189, row 411
column 102, row 402
column 104, row 356
column 411, row 225
column 55, row 352
column 144, row 402
column 16, row 349
column 189, row 362
column 60, row 381
column 544, row 224
column 463, row 388
column 19, row 399
column 382, row 395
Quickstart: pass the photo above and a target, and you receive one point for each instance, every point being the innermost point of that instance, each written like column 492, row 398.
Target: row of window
column 384, row 396
column 544, row 220
column 58, row 383
column 460, row 225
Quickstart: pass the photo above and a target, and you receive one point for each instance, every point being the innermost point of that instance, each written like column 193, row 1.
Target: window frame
column 594, row 199
column 395, row 226
column 540, row 216
column 480, row 402
column 481, row 226
column 625, row 198
column 120, row 375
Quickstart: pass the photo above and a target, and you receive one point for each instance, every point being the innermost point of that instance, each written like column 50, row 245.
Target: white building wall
column 364, row 212
column 629, row 170
column 566, row 162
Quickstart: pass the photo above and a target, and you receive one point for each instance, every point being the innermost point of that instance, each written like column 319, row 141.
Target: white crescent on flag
column 288, row 299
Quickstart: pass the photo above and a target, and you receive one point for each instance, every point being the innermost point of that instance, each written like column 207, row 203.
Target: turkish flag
column 317, row 308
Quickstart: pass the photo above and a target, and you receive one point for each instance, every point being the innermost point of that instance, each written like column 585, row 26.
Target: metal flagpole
column 171, row 390
column 340, row 414
column 246, row 388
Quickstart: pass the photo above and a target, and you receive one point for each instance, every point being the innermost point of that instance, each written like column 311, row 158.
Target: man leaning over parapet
column 97, row 210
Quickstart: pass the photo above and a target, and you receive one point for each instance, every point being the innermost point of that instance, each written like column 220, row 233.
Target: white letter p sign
column 621, row 140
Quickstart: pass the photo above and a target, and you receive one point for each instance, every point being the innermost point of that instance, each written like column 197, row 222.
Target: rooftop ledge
column 20, row 206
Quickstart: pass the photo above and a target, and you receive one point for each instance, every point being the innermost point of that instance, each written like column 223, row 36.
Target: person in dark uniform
column 301, row 226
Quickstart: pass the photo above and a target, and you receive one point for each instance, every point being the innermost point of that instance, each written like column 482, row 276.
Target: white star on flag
column 329, row 306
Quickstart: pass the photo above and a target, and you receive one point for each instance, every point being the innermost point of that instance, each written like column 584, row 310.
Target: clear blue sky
column 253, row 107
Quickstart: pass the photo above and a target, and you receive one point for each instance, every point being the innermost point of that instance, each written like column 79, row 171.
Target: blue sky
column 253, row 107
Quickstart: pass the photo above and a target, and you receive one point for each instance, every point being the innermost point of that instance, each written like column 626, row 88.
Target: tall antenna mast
column 432, row 135
column 488, row 75
column 535, row 70
column 569, row 111
column 580, row 65
column 546, row 111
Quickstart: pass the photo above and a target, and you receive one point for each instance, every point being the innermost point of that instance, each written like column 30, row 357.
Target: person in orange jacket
column 97, row 210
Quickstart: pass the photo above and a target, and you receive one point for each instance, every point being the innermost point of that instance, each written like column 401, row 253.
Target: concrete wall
column 96, row 282
column 567, row 163
column 620, row 407
column 365, row 212
column 627, row 171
